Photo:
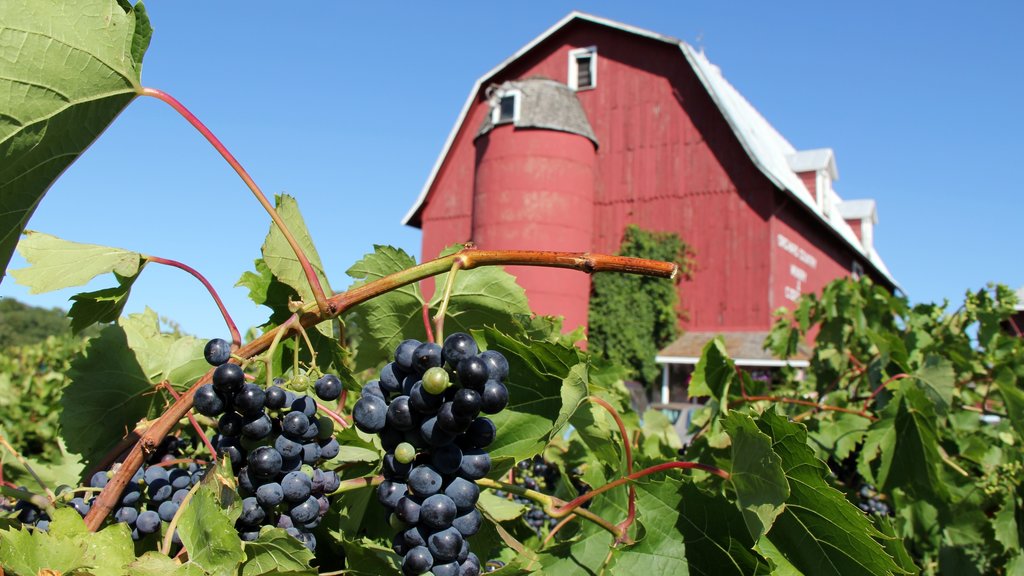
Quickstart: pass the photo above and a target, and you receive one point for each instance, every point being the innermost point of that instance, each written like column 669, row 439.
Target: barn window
column 857, row 270
column 506, row 109
column 583, row 68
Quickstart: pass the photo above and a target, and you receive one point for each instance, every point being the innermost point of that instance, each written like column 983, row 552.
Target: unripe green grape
column 435, row 380
column 405, row 453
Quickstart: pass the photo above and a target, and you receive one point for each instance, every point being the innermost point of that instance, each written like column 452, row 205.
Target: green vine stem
column 311, row 277
column 442, row 307
column 37, row 500
column 17, row 455
column 631, row 508
column 236, row 338
column 311, row 315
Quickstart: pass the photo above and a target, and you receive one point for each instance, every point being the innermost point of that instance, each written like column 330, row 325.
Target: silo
column 533, row 188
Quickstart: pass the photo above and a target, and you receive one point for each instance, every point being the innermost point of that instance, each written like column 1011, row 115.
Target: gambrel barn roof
column 768, row 150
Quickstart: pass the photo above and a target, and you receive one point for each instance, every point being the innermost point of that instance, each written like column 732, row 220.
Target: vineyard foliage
column 896, row 452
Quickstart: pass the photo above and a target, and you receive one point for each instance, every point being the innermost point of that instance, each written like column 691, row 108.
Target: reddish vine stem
column 311, row 277
column 558, row 512
column 236, row 338
column 869, row 399
column 631, row 509
column 191, row 419
column 426, row 323
column 561, row 524
column 312, row 314
column 332, row 415
column 815, row 405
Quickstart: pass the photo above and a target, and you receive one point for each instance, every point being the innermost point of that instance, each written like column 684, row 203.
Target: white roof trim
column 768, row 363
column 859, row 210
column 765, row 147
column 814, row 160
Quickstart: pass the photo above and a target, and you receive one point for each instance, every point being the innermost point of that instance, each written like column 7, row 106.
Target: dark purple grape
column 130, row 497
column 126, row 514
column 328, row 387
column 217, row 351
column 444, row 546
column 391, row 379
column 228, row 378
column 497, row 365
column 167, row 510
column 390, row 439
column 329, row 449
column 265, row 462
column 312, row 431
column 399, row 415
column 252, row 513
column 405, row 355
column 417, row 561
column 446, row 459
column 80, row 506
column 230, row 424
column 207, row 401
column 464, row 493
column 471, row 566
column 159, row 490
column 270, row 494
column 372, row 388
column 466, row 403
column 469, row 523
column 370, row 414
column 288, row 448
column 414, row 537
column 472, row 372
column 390, row 492
column 257, row 426
column 408, row 510
column 306, row 405
column 480, row 433
column 446, row 569
column 275, row 398
column 331, row 482
column 296, row 486
column 147, row 522
column 179, row 478
column 249, row 400
column 426, row 356
column 395, row 470
column 230, row 445
column 424, row 402
column 424, row 481
column 99, row 479
column 295, row 424
column 306, row 511
column 494, row 398
column 437, row 512
column 475, row 464
column 310, row 453
column 179, row 495
column 154, row 473
column 451, row 423
column 308, row 540
column 433, row 434
column 457, row 347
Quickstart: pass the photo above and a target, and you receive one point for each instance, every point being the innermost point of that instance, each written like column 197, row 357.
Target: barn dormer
column 862, row 216
column 817, row 170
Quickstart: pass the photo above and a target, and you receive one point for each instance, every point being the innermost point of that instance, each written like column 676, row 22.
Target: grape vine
column 350, row 435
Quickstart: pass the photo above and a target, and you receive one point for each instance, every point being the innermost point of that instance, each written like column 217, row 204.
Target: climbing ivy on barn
column 631, row 318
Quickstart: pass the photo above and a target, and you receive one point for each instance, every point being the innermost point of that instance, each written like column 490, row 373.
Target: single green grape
column 435, row 380
column 405, row 453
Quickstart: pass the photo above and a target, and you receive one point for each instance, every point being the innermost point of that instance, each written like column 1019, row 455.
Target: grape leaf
column 486, row 296
column 100, row 306
column 276, row 552
column 383, row 322
column 281, row 259
column 163, row 357
column 938, row 381
column 67, row 547
column 711, row 529
column 55, row 263
column 157, row 564
column 757, row 474
column 819, row 531
column 50, row 116
column 546, row 384
column 365, row 557
column 713, row 374
column 1013, row 398
column 207, row 527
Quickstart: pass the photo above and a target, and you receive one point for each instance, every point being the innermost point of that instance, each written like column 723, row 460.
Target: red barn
column 595, row 125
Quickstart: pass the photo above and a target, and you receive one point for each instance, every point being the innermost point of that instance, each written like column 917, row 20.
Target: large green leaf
column 546, row 384
column 277, row 552
column 819, row 532
column 281, row 259
column 713, row 374
column 757, row 474
column 712, row 529
column 113, row 382
column 68, row 547
column 68, row 69
column 207, row 525
column 1013, row 398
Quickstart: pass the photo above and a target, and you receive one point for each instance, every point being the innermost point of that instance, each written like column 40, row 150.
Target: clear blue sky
column 347, row 105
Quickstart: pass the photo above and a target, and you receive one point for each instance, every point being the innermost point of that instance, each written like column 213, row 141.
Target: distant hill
column 22, row 324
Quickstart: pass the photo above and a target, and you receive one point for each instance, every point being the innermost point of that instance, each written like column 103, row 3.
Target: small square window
column 583, row 68
column 506, row 109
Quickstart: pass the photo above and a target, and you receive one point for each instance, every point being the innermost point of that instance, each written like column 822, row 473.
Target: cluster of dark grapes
column 26, row 512
column 275, row 442
column 152, row 496
column 539, row 474
column 426, row 408
column 871, row 501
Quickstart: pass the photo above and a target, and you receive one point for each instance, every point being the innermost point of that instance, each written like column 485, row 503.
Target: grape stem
column 333, row 415
column 307, row 268
column 236, row 338
column 166, row 385
column 312, row 314
column 426, row 323
column 37, row 500
column 25, row 464
column 165, row 548
column 446, row 295
column 867, row 402
column 631, row 508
